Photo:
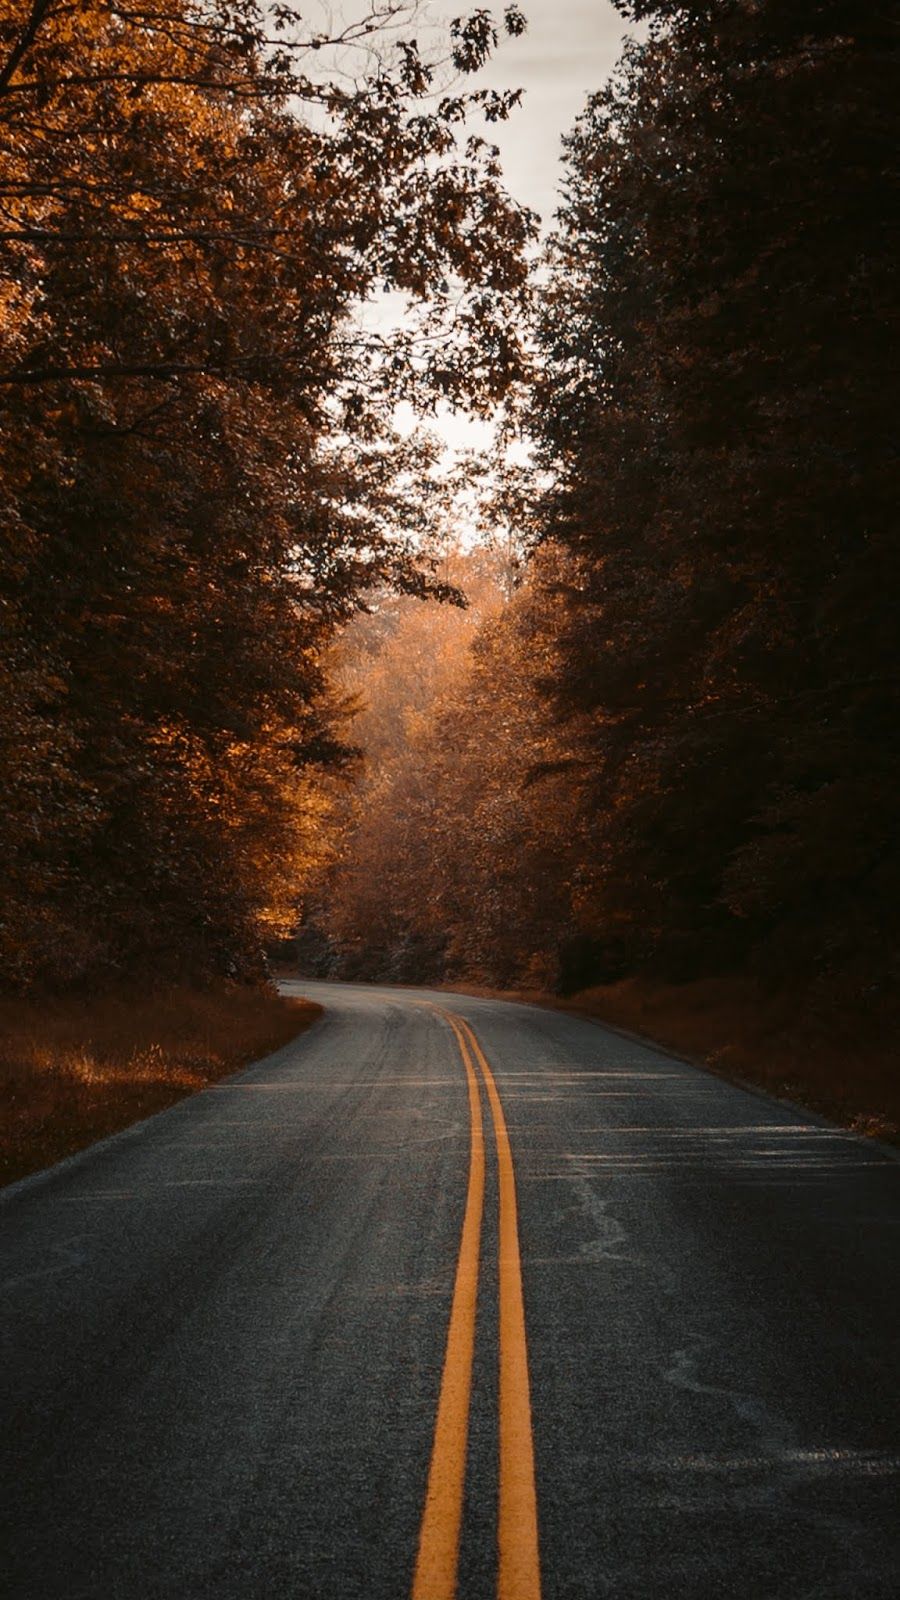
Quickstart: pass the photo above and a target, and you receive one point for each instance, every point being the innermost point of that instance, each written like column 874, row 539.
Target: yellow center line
column 518, row 1576
column 438, row 1557
column 519, row 1572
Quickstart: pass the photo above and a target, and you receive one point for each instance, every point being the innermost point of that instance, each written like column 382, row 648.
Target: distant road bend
column 455, row 1297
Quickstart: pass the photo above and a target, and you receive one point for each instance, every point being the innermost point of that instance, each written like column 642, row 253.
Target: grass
column 75, row 1069
column 841, row 1063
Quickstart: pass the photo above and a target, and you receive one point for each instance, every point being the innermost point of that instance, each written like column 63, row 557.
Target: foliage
column 202, row 479
column 454, row 862
column 395, row 664
column 719, row 384
column 672, row 748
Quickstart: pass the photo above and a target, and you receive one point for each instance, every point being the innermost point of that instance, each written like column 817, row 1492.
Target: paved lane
column 224, row 1333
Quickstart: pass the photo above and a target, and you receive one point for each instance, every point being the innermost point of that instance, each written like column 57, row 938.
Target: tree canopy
column 202, row 475
column 664, row 744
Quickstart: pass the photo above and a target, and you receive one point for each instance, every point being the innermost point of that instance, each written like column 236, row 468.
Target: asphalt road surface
column 241, row 1356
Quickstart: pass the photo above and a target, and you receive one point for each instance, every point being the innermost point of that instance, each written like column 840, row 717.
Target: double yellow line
column 518, row 1574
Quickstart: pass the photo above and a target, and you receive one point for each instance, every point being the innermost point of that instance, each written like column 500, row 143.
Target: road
column 241, row 1358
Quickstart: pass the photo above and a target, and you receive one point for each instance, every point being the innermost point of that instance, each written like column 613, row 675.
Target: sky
column 569, row 49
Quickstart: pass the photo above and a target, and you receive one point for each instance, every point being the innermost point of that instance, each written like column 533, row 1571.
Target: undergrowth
column 74, row 1069
column 842, row 1063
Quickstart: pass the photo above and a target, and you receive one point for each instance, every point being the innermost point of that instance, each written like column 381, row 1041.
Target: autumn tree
column 457, row 859
column 394, row 664
column 202, row 478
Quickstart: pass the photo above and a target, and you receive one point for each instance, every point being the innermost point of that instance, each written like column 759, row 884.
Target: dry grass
column 841, row 1063
column 73, row 1070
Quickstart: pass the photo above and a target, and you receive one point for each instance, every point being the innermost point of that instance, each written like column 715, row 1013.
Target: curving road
column 241, row 1355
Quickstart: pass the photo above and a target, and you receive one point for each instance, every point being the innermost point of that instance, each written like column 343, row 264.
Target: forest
column 613, row 714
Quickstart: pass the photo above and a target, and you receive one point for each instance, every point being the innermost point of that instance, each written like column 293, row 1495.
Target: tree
column 395, row 664
column 719, row 379
column 203, row 477
column 457, row 858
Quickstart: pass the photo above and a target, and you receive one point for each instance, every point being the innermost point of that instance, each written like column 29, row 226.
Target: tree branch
column 27, row 37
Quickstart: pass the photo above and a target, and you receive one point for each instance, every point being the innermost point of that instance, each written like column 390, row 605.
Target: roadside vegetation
column 80, row 1067
column 838, row 1061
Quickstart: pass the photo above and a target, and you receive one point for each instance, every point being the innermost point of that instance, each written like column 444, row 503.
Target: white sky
column 569, row 49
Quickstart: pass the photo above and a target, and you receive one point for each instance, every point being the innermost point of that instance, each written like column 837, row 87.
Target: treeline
column 675, row 752
column 201, row 480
